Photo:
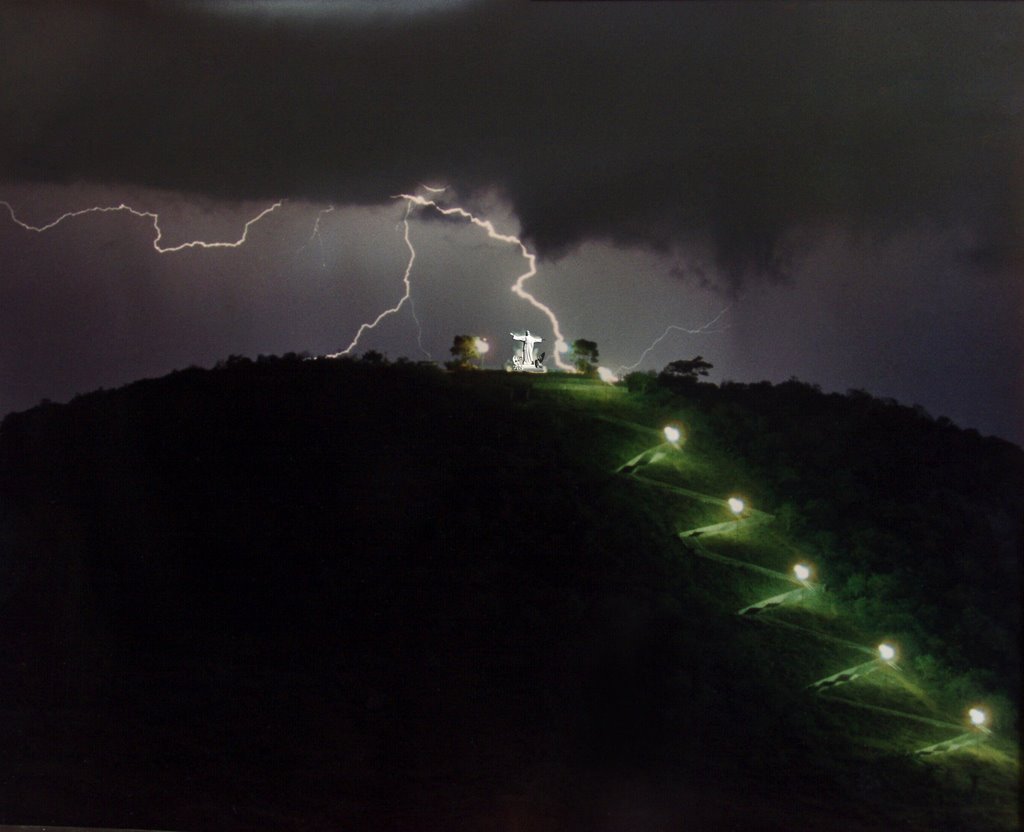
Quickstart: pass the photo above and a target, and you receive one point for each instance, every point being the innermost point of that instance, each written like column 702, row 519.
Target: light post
column 886, row 656
column 737, row 507
column 482, row 347
column 673, row 438
column 979, row 733
column 979, row 719
column 802, row 572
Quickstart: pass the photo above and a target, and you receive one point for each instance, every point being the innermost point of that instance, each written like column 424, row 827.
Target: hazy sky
column 844, row 181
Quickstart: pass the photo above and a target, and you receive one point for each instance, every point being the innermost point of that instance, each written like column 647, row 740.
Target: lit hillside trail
column 664, row 467
column 699, row 496
column 694, row 538
column 694, row 544
column 937, row 723
column 771, row 621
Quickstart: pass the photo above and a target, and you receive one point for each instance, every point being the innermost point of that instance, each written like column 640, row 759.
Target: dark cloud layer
column 664, row 124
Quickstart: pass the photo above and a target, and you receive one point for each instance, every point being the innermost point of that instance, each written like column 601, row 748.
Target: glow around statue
column 523, row 360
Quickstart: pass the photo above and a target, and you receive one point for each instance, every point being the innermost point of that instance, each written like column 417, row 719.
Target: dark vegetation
column 919, row 522
column 584, row 355
column 371, row 595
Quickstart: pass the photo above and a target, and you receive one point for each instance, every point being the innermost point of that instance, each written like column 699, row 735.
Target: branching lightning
column 561, row 347
column 673, row 328
column 99, row 209
column 560, row 344
column 401, row 302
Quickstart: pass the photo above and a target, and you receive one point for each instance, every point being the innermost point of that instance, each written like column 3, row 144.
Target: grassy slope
column 373, row 597
column 858, row 712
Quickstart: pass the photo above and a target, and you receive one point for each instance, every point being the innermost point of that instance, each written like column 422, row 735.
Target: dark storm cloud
column 661, row 124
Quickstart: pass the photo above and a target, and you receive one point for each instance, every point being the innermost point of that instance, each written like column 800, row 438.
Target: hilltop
column 346, row 594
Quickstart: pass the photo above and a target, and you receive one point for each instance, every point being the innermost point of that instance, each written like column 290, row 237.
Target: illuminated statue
column 524, row 359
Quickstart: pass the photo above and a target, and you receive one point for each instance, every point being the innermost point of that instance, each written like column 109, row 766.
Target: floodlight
column 886, row 652
column 672, row 434
column 481, row 345
column 736, row 506
column 977, row 716
column 802, row 572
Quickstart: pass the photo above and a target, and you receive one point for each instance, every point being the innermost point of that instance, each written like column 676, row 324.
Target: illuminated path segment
column 937, row 723
column 698, row 549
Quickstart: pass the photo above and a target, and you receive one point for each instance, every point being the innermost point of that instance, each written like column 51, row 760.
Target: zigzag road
column 698, row 548
column 891, row 712
column 692, row 539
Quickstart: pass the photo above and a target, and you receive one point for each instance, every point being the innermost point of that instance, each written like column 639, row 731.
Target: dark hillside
column 922, row 523
column 338, row 594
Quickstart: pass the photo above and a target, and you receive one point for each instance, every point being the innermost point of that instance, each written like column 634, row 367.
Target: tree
column 641, row 382
column 685, row 371
column 374, row 357
column 584, row 356
column 465, row 350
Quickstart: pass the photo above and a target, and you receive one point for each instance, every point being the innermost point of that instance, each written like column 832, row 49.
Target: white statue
column 524, row 359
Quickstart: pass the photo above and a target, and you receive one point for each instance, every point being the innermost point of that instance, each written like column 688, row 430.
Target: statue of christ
column 528, row 342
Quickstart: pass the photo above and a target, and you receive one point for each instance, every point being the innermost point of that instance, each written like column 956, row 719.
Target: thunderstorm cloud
column 739, row 128
column 845, row 179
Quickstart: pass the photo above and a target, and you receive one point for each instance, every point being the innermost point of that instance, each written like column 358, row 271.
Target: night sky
column 835, row 188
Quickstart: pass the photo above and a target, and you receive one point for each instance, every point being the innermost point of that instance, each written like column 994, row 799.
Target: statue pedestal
column 517, row 366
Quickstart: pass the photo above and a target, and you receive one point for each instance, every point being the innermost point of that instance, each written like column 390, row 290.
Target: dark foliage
column 685, row 372
column 361, row 594
column 584, row 356
column 919, row 525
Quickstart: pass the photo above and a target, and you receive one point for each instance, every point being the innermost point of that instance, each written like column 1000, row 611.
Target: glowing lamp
column 481, row 345
column 977, row 716
column 886, row 652
column 802, row 572
column 736, row 506
column 672, row 434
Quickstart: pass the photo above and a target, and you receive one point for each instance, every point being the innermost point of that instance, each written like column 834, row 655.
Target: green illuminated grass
column 505, row 614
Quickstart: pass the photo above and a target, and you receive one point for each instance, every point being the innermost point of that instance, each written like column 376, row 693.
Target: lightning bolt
column 673, row 328
column 419, row 330
column 98, row 209
column 316, row 233
column 531, row 259
column 401, row 302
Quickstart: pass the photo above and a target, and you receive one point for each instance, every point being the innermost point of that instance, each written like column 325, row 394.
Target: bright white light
column 887, row 652
column 802, row 572
column 606, row 375
column 518, row 287
column 736, row 505
column 977, row 716
column 481, row 345
column 672, row 434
